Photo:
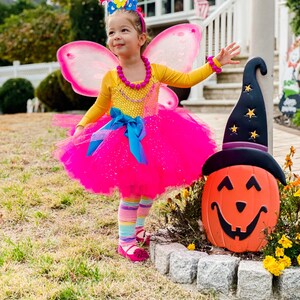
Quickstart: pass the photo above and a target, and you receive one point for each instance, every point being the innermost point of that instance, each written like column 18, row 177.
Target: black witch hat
column 245, row 139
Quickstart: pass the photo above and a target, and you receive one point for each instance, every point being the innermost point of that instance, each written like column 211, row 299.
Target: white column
column 241, row 26
column 16, row 66
column 158, row 8
column 187, row 5
column 285, row 40
column 262, row 44
column 196, row 94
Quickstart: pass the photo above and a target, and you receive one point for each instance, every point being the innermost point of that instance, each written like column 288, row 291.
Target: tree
column 34, row 36
column 19, row 6
column 4, row 12
column 87, row 21
column 294, row 6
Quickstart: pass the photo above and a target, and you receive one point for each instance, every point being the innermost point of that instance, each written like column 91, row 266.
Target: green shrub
column 79, row 102
column 182, row 216
column 57, row 94
column 296, row 118
column 50, row 93
column 294, row 7
column 14, row 95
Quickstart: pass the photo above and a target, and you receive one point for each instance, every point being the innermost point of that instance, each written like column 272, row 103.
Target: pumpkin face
column 238, row 204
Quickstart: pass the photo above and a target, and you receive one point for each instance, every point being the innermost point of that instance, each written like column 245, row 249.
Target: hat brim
column 243, row 156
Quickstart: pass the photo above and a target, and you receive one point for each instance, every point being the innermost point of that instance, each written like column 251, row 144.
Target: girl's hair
column 135, row 20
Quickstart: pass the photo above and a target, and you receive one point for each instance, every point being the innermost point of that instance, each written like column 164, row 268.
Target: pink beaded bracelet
column 213, row 65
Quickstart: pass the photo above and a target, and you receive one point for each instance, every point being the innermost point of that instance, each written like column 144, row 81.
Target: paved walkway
column 283, row 138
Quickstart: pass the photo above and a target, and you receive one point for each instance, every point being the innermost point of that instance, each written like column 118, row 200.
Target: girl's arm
column 186, row 80
column 100, row 107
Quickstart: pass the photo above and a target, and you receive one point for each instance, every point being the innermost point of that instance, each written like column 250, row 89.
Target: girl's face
column 123, row 38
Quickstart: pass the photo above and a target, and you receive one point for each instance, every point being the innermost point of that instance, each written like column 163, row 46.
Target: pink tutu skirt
column 176, row 145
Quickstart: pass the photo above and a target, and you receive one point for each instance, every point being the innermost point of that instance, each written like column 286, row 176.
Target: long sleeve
column 102, row 103
column 183, row 80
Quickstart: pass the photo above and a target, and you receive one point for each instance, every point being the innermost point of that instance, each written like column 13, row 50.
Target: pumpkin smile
column 237, row 233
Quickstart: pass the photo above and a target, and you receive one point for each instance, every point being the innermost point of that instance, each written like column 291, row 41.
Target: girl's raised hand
column 226, row 54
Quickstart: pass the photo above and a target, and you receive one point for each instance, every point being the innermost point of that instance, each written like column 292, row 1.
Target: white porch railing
column 218, row 30
column 231, row 21
column 35, row 73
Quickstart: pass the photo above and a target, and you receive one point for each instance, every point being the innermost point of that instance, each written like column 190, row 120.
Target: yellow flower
column 298, row 236
column 191, row 247
column 273, row 266
column 288, row 162
column 292, row 150
column 279, row 252
column 296, row 182
column 268, row 260
column 286, row 261
column 297, row 194
column 120, row 3
column 185, row 193
column 285, row 242
column 298, row 259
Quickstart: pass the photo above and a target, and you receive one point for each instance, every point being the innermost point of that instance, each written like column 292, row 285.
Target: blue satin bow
column 135, row 132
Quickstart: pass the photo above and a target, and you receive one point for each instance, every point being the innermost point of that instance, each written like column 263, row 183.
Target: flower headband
column 113, row 5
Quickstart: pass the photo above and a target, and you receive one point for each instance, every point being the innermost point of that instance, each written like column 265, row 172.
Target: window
column 148, row 7
column 171, row 6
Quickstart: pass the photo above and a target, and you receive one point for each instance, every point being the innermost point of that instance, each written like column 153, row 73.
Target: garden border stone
column 227, row 276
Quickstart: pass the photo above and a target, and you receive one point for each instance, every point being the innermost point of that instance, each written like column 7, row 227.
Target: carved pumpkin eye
column 225, row 183
column 253, row 182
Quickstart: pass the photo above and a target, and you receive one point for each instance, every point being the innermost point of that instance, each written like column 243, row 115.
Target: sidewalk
column 283, row 138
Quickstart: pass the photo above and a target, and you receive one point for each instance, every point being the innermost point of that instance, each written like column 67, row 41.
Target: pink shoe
column 143, row 237
column 139, row 254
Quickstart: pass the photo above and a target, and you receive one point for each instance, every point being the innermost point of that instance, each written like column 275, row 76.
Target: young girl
column 127, row 141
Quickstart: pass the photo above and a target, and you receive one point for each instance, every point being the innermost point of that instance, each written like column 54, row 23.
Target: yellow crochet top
column 143, row 102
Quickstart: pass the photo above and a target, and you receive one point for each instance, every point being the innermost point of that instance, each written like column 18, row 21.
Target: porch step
column 223, row 91
column 209, row 106
column 216, row 106
column 226, row 91
column 235, row 74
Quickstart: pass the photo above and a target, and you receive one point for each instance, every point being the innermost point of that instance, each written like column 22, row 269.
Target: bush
column 182, row 216
column 50, row 93
column 14, row 95
column 294, row 7
column 57, row 94
column 283, row 248
column 79, row 102
column 296, row 118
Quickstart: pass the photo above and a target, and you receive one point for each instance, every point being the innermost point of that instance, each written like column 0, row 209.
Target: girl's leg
column 142, row 213
column 127, row 216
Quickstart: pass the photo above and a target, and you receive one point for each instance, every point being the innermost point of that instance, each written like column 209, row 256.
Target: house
column 224, row 22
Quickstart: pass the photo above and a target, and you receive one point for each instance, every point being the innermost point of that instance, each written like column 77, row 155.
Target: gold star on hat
column 253, row 134
column 250, row 113
column 234, row 129
column 248, row 88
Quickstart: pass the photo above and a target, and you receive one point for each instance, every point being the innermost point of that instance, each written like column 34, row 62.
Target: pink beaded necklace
column 138, row 85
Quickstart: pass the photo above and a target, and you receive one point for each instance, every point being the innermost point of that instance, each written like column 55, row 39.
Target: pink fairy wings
column 176, row 47
column 84, row 63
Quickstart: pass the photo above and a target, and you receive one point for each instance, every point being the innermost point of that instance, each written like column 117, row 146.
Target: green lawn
column 57, row 240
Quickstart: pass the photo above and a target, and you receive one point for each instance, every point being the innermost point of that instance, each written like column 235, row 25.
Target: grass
column 57, row 241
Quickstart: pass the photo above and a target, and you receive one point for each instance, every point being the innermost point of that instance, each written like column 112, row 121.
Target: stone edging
column 225, row 275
